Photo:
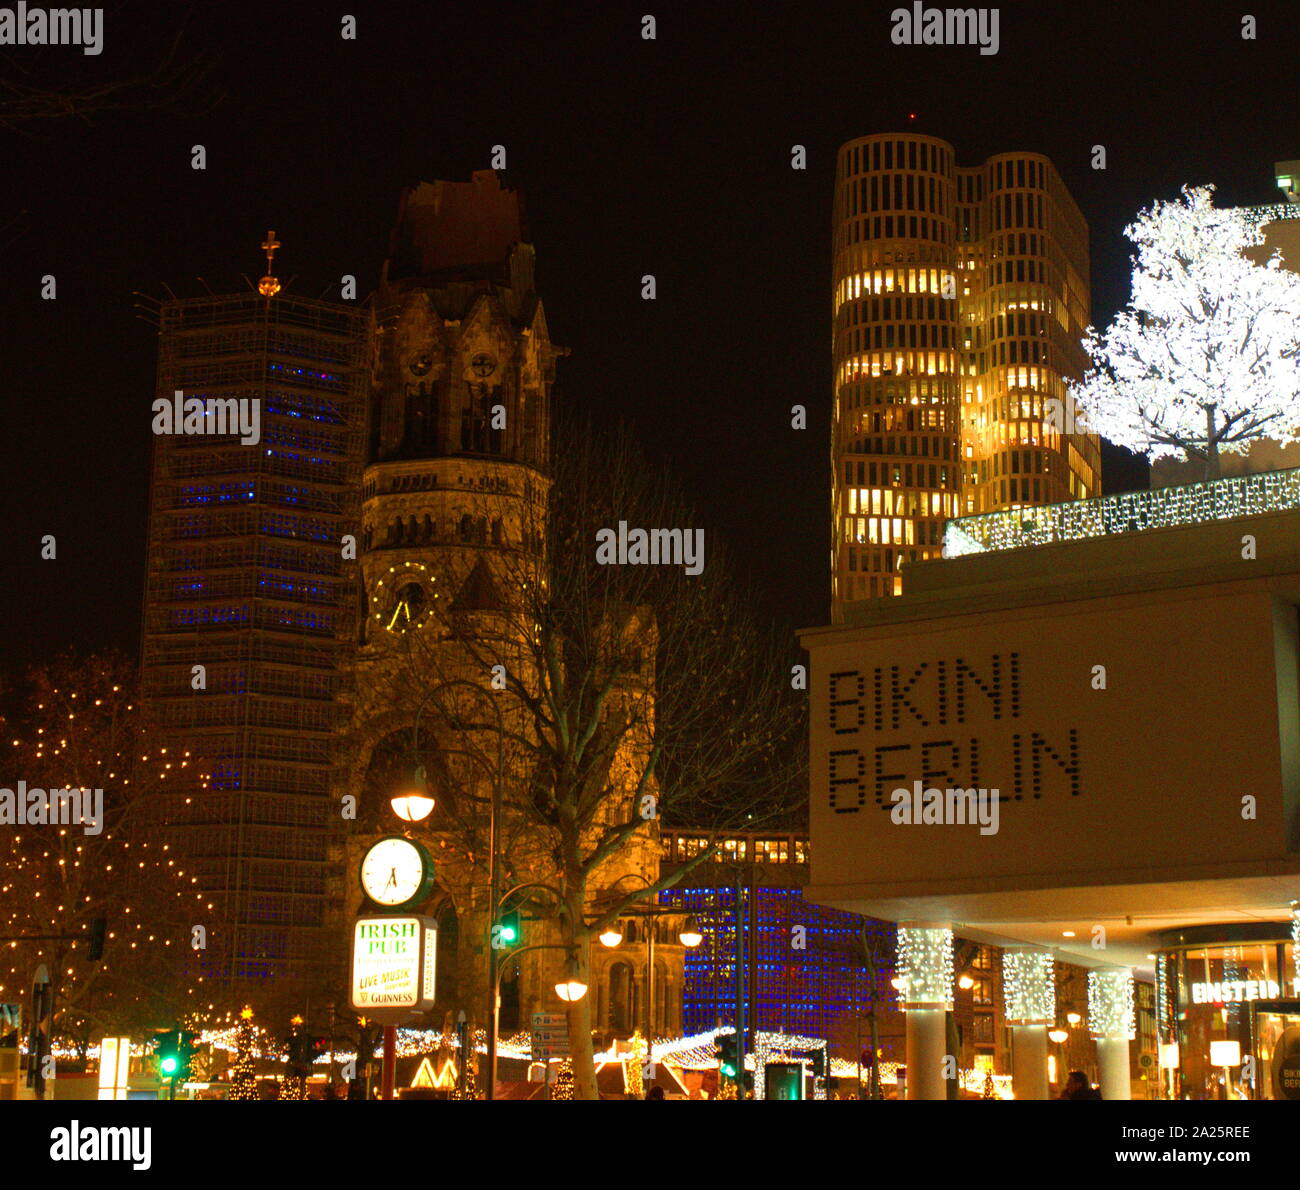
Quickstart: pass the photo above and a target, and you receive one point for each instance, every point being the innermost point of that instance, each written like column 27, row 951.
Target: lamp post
column 871, row 948
column 612, row 936
column 413, row 805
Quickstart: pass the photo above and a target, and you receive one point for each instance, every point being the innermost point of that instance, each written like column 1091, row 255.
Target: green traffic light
column 169, row 1065
column 729, row 1070
column 508, row 933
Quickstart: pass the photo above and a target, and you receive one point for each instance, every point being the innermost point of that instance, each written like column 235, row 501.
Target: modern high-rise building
column 249, row 606
column 960, row 297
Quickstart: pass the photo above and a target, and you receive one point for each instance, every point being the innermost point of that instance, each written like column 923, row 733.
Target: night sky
column 669, row 157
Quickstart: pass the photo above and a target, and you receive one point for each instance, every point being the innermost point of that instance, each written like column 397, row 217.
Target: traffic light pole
column 495, row 968
column 390, row 1062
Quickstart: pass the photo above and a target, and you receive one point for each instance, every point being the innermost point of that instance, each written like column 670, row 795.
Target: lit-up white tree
column 1206, row 356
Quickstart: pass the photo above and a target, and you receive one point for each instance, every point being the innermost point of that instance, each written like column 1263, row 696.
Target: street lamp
column 414, row 803
column 571, row 989
column 612, row 935
column 1059, row 1036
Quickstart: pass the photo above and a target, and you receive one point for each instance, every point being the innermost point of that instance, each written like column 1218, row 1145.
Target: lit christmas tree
column 1206, row 357
column 634, row 1065
column 243, row 1075
column 80, row 730
column 294, row 1084
column 562, row 1088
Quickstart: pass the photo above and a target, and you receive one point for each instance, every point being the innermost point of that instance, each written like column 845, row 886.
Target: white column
column 926, row 1034
column 1029, row 996
column 1112, row 1062
column 1029, row 1062
column 1111, row 1021
column 925, row 994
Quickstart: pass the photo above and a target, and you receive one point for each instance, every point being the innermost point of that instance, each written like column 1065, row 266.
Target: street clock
column 396, row 873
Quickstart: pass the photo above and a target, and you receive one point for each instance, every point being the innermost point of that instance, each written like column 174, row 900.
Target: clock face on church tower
column 403, row 598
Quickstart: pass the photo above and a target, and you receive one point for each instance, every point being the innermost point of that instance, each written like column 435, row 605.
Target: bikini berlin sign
column 1078, row 743
column 393, row 966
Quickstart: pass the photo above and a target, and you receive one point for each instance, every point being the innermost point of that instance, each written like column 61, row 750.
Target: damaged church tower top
column 462, row 238
column 461, row 371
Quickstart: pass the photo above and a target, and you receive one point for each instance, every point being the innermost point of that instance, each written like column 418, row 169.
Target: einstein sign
column 393, row 966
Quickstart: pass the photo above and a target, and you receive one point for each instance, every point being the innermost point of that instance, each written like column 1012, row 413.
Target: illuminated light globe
column 690, row 935
column 1060, row 1036
column 412, row 807
column 611, row 936
column 571, row 990
column 268, row 287
column 414, row 803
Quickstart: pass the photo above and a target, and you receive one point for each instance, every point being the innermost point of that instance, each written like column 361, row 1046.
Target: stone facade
column 453, row 521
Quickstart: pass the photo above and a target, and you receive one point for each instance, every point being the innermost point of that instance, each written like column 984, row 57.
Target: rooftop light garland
column 1130, row 512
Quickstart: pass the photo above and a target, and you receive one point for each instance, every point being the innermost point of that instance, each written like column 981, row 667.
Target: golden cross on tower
column 268, row 286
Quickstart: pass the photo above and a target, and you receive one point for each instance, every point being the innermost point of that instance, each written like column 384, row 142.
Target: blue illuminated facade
column 247, row 577
column 806, row 967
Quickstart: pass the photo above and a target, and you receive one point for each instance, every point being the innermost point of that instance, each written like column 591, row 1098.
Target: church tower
column 453, row 532
column 453, row 510
column 460, row 437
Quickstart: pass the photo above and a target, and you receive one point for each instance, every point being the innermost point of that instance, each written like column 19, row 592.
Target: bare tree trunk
column 584, row 1056
column 1212, row 468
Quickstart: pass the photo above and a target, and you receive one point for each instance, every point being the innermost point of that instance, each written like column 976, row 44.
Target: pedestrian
column 1077, row 1086
column 655, row 1093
